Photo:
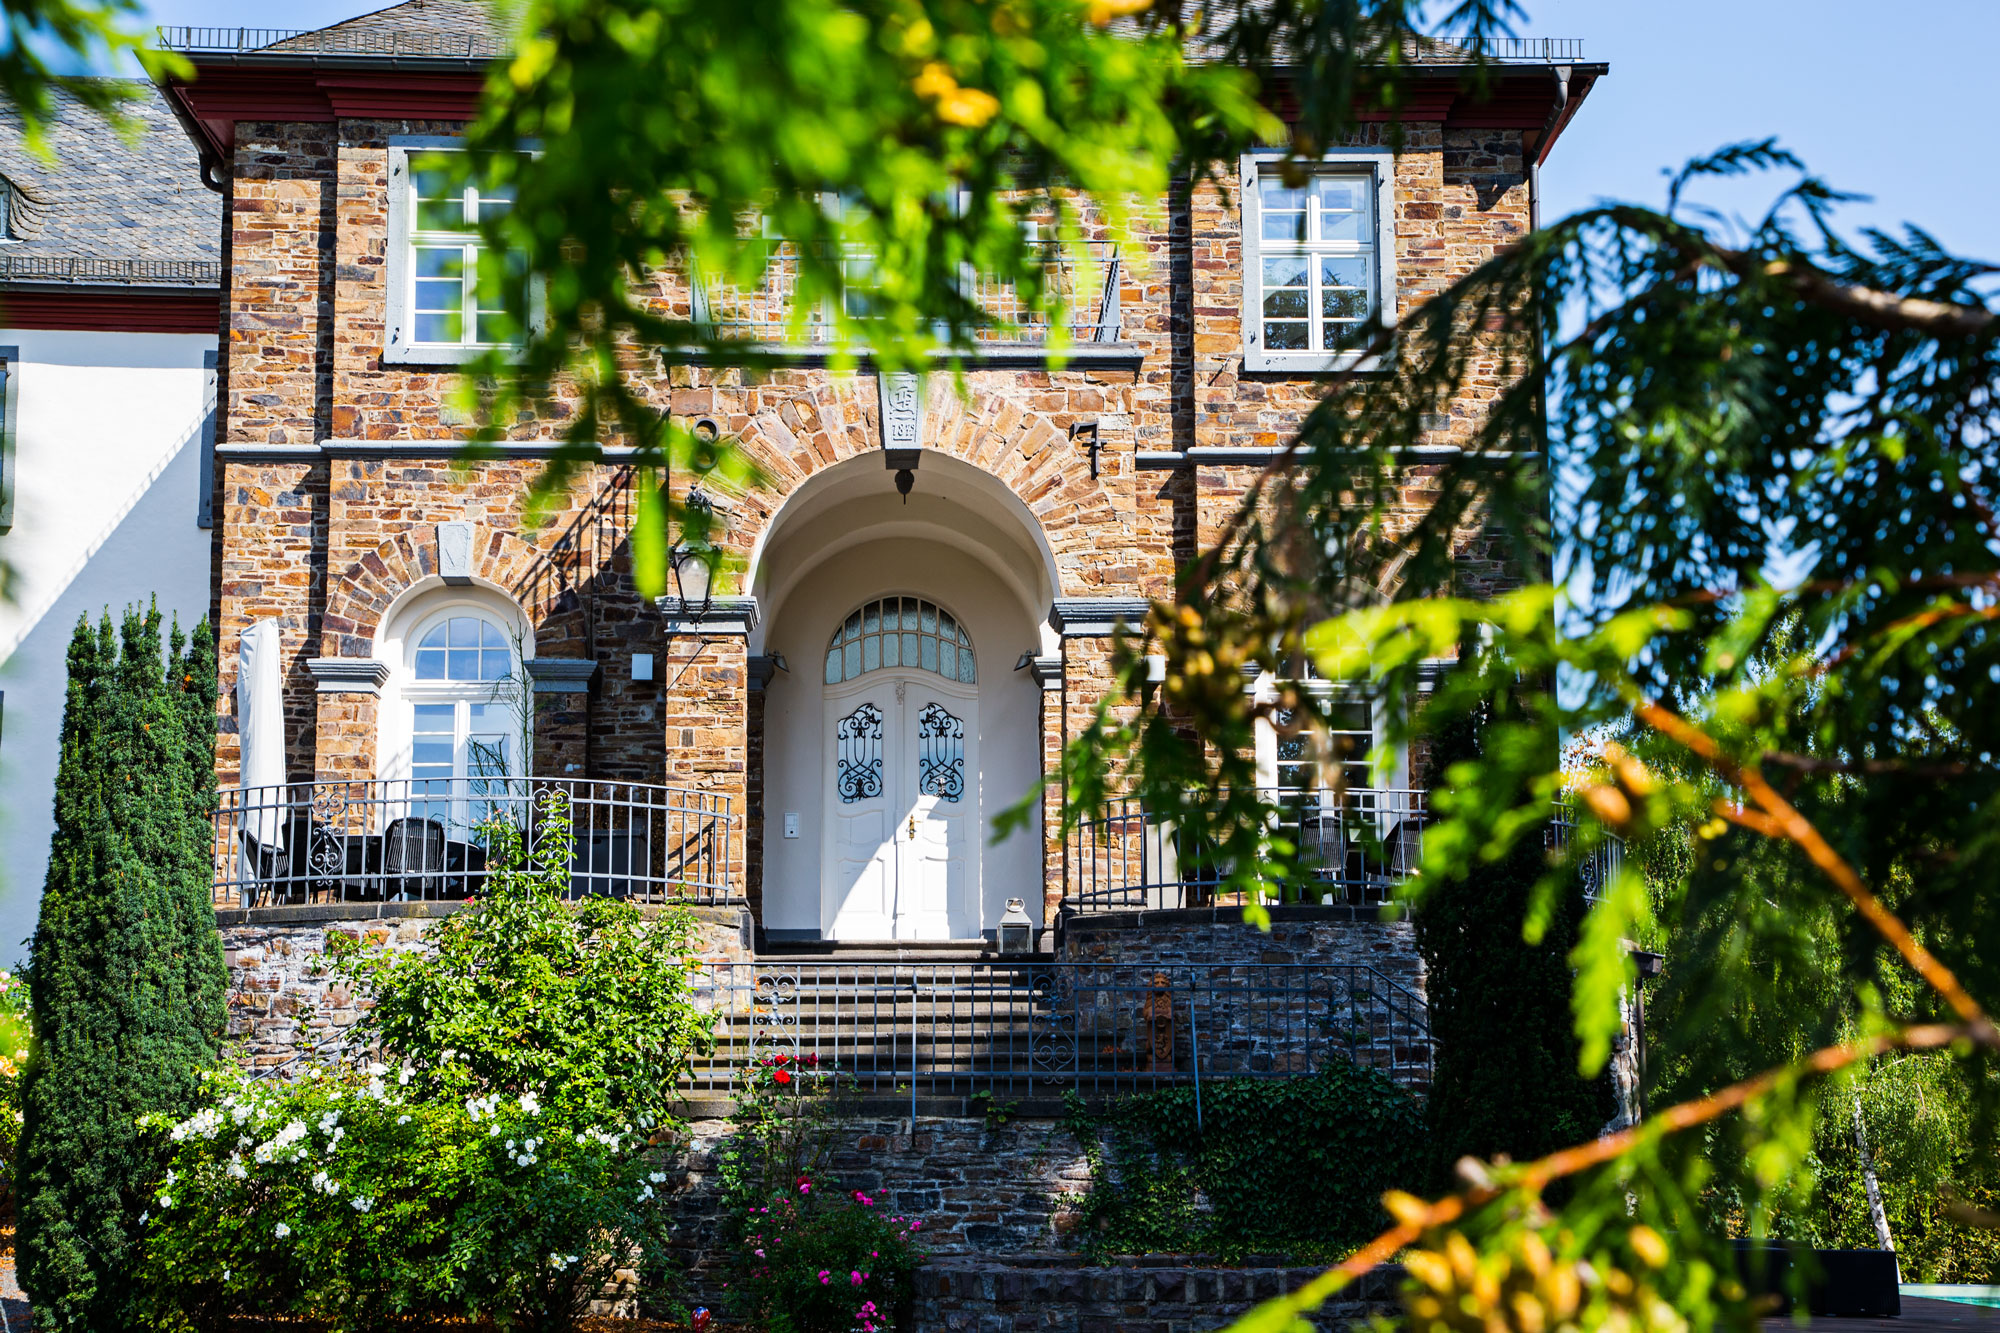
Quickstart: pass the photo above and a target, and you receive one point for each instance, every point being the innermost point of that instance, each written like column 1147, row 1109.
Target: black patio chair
column 270, row 868
column 413, row 862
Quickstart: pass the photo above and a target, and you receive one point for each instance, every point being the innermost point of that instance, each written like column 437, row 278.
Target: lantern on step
column 1017, row 929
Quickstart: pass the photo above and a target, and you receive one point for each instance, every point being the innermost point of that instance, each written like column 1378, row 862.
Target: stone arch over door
column 1098, row 543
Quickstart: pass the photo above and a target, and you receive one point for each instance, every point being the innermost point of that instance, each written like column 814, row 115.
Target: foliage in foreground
column 588, row 1006
column 1290, row 1166
column 505, row 1156
column 128, row 971
column 1725, row 403
column 804, row 1255
column 342, row 1197
column 1506, row 1079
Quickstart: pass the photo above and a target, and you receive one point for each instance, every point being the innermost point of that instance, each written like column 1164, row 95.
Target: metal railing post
column 1194, row 1046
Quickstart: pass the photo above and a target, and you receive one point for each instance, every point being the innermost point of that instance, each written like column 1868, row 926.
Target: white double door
column 902, row 809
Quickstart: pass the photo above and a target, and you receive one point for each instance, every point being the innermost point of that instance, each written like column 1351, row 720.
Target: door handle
column 913, row 828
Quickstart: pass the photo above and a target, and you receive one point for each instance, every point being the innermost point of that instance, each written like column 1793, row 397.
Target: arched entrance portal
column 901, row 791
column 901, row 728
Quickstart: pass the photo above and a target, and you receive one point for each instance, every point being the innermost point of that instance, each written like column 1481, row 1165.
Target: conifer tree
column 128, row 973
column 1506, row 1079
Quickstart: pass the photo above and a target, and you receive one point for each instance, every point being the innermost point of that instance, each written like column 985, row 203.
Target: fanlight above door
column 905, row 632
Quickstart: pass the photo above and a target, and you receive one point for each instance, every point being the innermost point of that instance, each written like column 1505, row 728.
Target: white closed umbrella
column 260, row 728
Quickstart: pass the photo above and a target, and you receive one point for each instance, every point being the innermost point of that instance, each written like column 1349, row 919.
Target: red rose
column 783, row 1078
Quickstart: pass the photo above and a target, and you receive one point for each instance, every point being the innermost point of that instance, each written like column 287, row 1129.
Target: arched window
column 465, row 694
column 902, row 632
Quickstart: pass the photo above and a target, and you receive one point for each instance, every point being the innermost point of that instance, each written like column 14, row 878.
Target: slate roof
column 108, row 210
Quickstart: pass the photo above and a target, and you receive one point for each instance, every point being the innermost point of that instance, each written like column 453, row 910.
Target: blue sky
column 1887, row 100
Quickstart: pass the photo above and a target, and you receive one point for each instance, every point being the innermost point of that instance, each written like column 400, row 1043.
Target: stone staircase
column 955, row 1018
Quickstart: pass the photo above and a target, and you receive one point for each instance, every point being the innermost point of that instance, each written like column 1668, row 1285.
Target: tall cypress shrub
column 1505, row 1077
column 128, row 974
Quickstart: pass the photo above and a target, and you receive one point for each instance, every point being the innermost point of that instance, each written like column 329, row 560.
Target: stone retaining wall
column 1322, row 979
column 1157, row 1294
column 1000, row 1204
column 282, row 998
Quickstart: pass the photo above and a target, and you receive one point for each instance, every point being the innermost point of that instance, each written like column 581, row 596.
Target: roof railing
column 114, row 272
column 406, row 43
column 383, row 42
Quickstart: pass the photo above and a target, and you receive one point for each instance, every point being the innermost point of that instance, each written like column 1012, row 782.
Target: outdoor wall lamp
column 690, row 560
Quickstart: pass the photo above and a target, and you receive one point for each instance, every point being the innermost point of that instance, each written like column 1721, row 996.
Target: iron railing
column 1082, row 278
column 427, row 839
column 1532, row 50
column 340, row 41
column 1041, row 1027
column 1354, row 847
column 72, row 269
column 1599, row 861
column 349, row 40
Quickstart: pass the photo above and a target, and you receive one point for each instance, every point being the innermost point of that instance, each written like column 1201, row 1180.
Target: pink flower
column 863, row 1199
column 855, row 1277
column 760, row 1254
column 917, row 1225
column 822, row 1277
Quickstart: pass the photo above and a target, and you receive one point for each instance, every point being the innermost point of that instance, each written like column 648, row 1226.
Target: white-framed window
column 1319, row 259
column 445, row 283
column 463, row 692
column 1289, row 762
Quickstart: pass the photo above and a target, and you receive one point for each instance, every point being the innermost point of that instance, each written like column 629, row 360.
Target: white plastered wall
column 107, row 473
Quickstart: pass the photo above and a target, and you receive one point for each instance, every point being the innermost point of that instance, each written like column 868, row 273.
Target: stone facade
column 999, row 1207
column 1159, row 1294
column 1321, row 981
column 336, row 468
column 283, row 1002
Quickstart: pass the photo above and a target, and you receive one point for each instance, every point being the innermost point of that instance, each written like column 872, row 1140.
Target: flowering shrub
column 504, row 1163
column 806, row 1256
column 590, row 1005
column 823, row 1262
column 340, row 1198
column 787, row 1112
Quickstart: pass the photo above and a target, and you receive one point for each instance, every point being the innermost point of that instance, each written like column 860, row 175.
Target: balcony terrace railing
column 1041, row 1027
column 428, row 840
column 1354, row 848
column 1083, row 278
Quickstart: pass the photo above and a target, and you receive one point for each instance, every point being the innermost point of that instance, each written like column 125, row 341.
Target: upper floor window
column 1319, row 259
column 445, row 283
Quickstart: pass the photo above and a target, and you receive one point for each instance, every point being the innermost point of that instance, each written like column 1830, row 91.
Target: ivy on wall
column 1289, row 1167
